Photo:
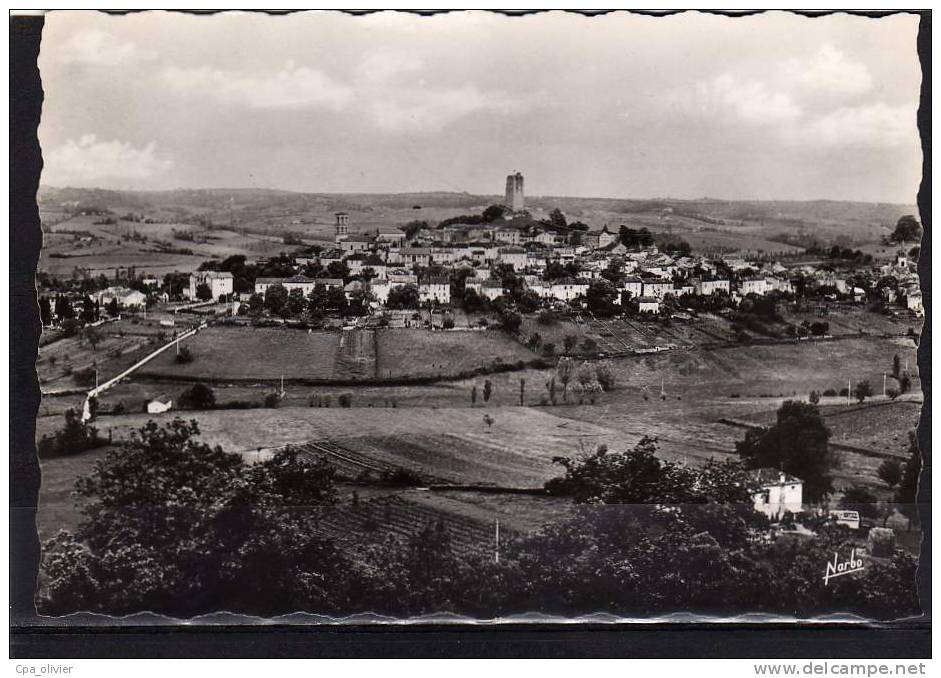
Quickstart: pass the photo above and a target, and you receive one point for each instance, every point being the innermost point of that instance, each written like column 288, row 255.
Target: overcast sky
column 687, row 106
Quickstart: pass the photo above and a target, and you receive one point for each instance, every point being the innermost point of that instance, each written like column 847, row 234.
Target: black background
column 37, row 637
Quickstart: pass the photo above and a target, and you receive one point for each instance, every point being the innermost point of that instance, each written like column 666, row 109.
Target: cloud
column 89, row 162
column 828, row 72
column 872, row 126
column 289, row 87
column 384, row 66
column 97, row 48
column 389, row 102
column 750, row 101
column 405, row 111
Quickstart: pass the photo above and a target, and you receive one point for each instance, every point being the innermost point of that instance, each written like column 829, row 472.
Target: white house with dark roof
column 780, row 493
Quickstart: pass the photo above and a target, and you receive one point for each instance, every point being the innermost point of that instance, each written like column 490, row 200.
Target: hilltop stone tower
column 514, row 192
column 342, row 226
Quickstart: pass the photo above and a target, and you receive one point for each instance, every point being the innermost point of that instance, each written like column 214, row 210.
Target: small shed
column 160, row 404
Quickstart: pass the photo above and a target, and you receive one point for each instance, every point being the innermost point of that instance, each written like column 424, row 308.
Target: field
column 453, row 444
column 150, row 248
column 419, row 353
column 120, row 345
column 245, row 353
column 252, row 353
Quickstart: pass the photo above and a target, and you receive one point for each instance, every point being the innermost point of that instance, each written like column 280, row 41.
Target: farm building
column 219, row 283
column 780, row 493
column 160, row 404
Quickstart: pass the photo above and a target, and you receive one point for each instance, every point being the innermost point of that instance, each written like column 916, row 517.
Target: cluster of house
column 387, row 260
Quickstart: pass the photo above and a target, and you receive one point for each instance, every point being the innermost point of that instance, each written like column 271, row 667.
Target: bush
column 272, row 400
column 605, row 376
column 184, row 356
column 400, row 477
column 345, row 399
column 84, row 377
column 199, row 397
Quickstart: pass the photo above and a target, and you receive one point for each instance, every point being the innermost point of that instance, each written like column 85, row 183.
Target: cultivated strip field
column 452, row 444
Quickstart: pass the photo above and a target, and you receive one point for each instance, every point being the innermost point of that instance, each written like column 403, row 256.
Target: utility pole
column 849, row 391
column 883, row 384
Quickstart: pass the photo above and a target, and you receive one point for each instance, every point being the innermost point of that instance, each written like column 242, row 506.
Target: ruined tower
column 514, row 192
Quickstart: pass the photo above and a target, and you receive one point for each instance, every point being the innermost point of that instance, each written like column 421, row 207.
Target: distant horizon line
column 481, row 195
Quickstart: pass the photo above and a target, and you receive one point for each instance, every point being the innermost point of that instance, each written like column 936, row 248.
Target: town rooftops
column 213, row 275
column 359, row 237
column 436, row 280
column 647, row 300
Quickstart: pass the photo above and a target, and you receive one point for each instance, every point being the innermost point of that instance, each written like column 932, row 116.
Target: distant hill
column 708, row 222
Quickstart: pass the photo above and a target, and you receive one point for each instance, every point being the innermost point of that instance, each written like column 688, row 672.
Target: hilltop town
column 442, row 366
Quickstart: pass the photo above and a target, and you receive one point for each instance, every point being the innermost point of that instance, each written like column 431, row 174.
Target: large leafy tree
column 638, row 476
column 797, row 444
column 175, row 526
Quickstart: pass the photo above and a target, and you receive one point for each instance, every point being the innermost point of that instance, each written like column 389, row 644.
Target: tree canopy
column 797, row 444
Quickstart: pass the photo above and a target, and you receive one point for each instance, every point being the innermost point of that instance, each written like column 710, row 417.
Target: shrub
column 345, row 400
column 184, row 356
column 272, row 400
column 199, row 397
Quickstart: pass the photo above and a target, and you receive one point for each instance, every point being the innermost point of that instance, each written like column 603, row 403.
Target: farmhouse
column 160, row 404
column 219, row 283
column 780, row 493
